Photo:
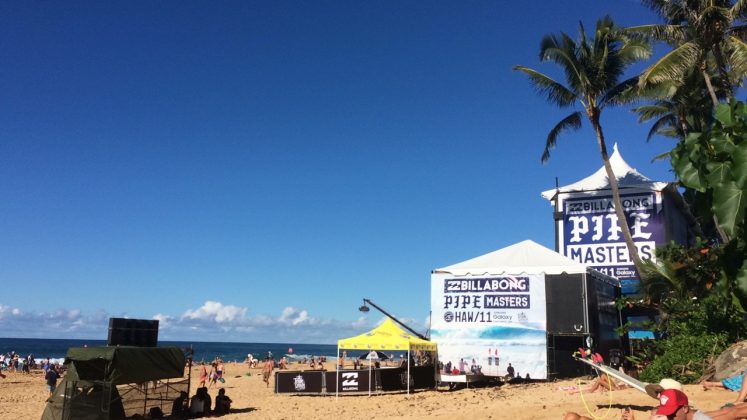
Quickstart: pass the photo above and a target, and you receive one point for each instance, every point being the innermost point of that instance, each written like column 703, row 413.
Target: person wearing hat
column 673, row 404
column 653, row 390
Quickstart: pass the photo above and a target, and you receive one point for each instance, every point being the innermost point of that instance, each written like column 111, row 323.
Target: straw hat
column 654, row 389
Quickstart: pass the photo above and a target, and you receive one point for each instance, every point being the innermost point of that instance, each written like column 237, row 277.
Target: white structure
column 501, row 307
column 587, row 228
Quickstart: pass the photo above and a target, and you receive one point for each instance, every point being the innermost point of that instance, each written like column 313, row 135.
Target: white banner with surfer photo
column 484, row 323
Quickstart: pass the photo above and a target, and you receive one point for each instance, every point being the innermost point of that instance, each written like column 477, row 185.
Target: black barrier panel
column 393, row 379
column 423, row 377
column 350, row 381
column 299, row 382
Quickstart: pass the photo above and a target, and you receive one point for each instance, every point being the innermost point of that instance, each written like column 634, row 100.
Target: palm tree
column 592, row 69
column 676, row 108
column 703, row 34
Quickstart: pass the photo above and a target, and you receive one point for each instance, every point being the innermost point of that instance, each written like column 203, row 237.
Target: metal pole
column 337, row 375
column 369, row 373
column 408, row 371
column 435, row 369
column 417, row 334
column 189, row 373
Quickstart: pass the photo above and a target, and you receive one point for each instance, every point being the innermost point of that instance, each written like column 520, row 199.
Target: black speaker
column 132, row 332
column 566, row 307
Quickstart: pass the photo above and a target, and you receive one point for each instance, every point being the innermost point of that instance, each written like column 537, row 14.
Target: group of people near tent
column 201, row 404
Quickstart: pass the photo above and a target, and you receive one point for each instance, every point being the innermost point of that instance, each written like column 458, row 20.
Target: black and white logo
column 350, row 381
column 299, row 383
column 448, row 316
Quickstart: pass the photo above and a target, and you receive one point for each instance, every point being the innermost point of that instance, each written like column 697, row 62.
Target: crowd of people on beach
column 14, row 362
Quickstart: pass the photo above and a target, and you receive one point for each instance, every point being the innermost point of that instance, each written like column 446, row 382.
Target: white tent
column 480, row 306
column 627, row 177
column 526, row 257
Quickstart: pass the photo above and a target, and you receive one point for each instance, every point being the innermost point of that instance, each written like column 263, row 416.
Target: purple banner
column 592, row 235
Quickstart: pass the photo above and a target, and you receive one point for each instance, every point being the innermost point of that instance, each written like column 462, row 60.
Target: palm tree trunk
column 721, row 64
column 619, row 211
column 707, row 79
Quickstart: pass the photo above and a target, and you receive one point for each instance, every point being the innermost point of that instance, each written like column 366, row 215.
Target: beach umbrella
column 374, row 355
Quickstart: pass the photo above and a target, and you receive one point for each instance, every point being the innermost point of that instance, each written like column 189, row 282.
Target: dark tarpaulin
column 124, row 364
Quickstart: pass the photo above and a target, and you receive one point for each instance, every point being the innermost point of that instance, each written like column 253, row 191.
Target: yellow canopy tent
column 387, row 336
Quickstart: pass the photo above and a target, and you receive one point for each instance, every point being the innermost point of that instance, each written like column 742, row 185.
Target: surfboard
column 635, row 383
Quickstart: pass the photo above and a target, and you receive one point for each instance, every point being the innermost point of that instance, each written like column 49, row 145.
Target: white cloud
column 293, row 316
column 212, row 321
column 216, row 311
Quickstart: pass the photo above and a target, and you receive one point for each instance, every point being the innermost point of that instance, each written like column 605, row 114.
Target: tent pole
column 369, row 373
column 435, row 369
column 337, row 375
column 408, row 371
column 189, row 371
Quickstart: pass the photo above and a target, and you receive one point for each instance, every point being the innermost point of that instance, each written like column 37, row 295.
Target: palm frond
column 571, row 122
column 670, row 34
column 546, row 86
column 623, row 93
column 633, row 50
column 661, row 90
column 664, row 126
column 739, row 31
column 651, row 111
column 561, row 51
column 673, row 65
column 739, row 10
column 738, row 57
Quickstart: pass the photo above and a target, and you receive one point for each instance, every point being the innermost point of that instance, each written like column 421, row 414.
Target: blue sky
column 248, row 171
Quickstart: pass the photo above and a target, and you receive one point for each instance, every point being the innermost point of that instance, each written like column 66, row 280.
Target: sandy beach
column 23, row 397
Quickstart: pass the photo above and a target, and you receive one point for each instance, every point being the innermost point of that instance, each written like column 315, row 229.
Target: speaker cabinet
column 566, row 304
column 132, row 332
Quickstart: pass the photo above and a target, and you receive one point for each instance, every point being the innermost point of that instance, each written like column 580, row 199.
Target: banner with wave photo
column 484, row 323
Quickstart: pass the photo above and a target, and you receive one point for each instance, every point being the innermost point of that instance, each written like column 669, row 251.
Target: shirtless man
column 267, row 371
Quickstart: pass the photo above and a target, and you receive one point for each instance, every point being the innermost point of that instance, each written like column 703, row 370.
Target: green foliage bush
column 684, row 357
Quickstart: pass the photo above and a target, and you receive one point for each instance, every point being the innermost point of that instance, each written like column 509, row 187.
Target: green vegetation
column 700, row 290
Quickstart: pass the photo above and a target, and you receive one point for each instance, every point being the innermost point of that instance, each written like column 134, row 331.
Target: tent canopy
column 124, row 364
column 627, row 177
column 525, row 257
column 387, row 336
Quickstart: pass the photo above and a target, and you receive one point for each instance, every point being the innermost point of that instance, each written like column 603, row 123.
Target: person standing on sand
column 213, row 375
column 267, row 370
column 51, row 377
column 220, row 370
column 203, row 375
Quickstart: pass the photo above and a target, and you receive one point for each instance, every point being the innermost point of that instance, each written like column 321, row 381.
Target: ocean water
column 207, row 351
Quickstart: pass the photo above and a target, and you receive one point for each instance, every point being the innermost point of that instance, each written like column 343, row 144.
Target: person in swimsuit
column 219, row 371
column 736, row 383
column 203, row 375
column 213, row 375
column 267, row 370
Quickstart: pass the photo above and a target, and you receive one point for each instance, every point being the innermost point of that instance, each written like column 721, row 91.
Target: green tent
column 89, row 389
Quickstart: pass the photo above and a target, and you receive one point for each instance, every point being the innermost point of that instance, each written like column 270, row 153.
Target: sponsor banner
column 490, row 321
column 299, row 382
column 592, row 236
column 350, row 381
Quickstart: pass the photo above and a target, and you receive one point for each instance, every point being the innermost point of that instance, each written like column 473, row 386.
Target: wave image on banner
column 483, row 323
